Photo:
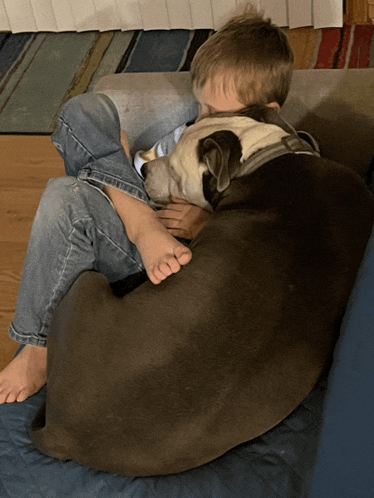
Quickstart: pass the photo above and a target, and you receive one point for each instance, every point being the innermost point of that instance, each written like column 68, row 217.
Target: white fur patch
column 253, row 136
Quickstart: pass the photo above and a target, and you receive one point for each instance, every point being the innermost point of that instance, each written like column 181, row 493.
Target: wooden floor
column 27, row 163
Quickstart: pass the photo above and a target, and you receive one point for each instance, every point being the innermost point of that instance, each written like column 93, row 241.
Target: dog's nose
column 144, row 170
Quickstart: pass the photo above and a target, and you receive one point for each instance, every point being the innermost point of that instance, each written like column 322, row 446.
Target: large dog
column 173, row 376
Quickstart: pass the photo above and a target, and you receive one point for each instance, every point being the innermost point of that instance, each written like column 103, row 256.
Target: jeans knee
column 57, row 201
column 89, row 106
column 88, row 129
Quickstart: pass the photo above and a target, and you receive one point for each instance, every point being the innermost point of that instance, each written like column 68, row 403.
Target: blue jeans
column 76, row 227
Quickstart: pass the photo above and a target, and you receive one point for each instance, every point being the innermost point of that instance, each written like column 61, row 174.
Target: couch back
column 336, row 106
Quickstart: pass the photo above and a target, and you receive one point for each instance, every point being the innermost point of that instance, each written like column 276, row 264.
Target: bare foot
column 161, row 253
column 25, row 375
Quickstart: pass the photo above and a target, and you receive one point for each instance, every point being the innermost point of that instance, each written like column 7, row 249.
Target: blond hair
column 249, row 56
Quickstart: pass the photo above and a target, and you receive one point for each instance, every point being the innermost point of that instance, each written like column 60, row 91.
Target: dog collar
column 290, row 144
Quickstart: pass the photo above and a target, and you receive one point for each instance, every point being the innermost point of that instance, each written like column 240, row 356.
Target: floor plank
column 28, row 162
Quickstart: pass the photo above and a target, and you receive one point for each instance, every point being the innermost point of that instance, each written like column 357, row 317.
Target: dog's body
column 172, row 376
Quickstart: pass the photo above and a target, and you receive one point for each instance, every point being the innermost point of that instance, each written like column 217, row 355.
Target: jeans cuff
column 100, row 179
column 26, row 339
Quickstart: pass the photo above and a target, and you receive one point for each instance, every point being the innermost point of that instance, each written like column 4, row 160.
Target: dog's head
column 210, row 154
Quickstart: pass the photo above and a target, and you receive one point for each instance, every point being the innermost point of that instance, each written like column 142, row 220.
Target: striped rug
column 39, row 72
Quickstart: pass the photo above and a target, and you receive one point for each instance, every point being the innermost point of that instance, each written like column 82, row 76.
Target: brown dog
column 173, row 376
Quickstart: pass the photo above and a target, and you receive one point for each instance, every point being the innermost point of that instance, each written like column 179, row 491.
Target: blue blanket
column 275, row 465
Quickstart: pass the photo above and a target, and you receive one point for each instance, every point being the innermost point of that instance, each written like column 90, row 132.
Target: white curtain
column 85, row 15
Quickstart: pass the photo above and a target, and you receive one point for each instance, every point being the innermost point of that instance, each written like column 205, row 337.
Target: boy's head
column 248, row 61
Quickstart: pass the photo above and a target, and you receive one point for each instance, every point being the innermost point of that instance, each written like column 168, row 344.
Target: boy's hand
column 183, row 219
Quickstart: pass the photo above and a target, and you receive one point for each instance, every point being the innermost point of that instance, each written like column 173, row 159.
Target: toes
column 165, row 267
column 7, row 396
column 183, row 255
column 11, row 395
column 155, row 276
column 22, row 396
column 4, row 391
column 170, row 266
column 11, row 398
column 159, row 273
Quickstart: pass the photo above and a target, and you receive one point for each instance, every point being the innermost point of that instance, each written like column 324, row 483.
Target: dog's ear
column 221, row 152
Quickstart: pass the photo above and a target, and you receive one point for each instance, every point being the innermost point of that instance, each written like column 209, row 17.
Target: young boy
column 76, row 228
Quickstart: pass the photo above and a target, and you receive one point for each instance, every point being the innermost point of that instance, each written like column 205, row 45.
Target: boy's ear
column 221, row 152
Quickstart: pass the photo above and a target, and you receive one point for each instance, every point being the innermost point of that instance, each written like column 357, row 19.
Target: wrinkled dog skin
column 172, row 376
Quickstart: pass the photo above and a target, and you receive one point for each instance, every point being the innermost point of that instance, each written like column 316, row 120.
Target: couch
column 325, row 447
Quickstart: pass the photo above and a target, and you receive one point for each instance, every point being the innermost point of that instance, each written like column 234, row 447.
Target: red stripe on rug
column 360, row 54
column 347, row 33
column 328, row 48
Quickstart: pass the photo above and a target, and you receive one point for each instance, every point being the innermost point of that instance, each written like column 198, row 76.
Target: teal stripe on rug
column 158, row 51
column 38, row 95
